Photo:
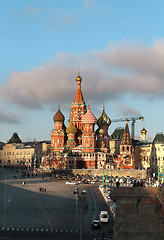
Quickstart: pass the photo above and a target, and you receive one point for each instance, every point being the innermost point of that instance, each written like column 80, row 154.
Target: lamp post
column 111, row 176
column 106, row 179
column 158, row 174
column 82, row 198
column 103, row 179
column 34, row 155
column 118, row 171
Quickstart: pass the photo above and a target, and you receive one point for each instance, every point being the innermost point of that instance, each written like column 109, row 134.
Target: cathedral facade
column 80, row 145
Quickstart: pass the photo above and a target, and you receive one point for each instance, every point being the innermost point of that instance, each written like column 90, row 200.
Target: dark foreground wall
column 139, row 213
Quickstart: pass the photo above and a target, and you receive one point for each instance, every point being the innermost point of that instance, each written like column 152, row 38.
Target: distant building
column 15, row 138
column 126, row 158
column 152, row 155
column 115, row 141
column 17, row 153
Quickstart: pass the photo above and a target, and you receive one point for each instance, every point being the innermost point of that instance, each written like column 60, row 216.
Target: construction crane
column 133, row 119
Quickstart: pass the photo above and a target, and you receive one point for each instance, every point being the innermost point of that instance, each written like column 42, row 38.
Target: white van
column 104, row 216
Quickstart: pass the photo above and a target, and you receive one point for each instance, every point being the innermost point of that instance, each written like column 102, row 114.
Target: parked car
column 70, row 182
column 96, row 224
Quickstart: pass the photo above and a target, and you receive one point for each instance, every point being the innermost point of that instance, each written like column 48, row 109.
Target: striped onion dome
column 103, row 120
column 89, row 117
column 71, row 129
column 58, row 117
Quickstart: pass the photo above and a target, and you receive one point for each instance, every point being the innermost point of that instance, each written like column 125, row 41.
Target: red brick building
column 126, row 158
column 79, row 145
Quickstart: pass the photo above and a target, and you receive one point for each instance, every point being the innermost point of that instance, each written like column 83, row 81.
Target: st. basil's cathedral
column 79, row 145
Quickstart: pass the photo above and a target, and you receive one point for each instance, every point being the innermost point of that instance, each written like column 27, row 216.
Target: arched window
column 123, row 149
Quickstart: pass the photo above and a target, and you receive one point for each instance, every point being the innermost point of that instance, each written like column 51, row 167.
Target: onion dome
column 103, row 120
column 89, row 117
column 58, row 117
column 78, row 77
column 143, row 131
column 71, row 129
column 101, row 131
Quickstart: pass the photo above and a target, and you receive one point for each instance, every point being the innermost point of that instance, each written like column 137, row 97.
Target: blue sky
column 118, row 46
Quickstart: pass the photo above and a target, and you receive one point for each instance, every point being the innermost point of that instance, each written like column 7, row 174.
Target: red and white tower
column 71, row 131
column 143, row 135
column 88, row 135
column 126, row 157
column 103, row 138
column 58, row 134
column 78, row 107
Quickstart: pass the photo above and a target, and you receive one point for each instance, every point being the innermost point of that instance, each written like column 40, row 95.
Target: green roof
column 117, row 134
column 159, row 138
column 15, row 138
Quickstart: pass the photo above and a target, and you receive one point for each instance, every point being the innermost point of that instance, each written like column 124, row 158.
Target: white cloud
column 106, row 74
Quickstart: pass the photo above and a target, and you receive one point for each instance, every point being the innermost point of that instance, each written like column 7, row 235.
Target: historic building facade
column 126, row 158
column 80, row 145
column 152, row 154
column 27, row 154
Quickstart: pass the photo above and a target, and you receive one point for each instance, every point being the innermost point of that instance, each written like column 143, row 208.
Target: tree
column 65, row 150
column 69, row 152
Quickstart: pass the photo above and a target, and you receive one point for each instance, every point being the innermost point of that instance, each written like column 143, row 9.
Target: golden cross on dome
column 88, row 103
column 79, row 71
column 103, row 105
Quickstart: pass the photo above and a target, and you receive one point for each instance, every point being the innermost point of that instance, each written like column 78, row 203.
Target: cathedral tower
column 103, row 138
column 143, row 135
column 126, row 157
column 58, row 135
column 78, row 107
column 88, row 135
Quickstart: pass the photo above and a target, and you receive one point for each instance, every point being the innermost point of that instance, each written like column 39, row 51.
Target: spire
column 126, row 139
column 78, row 96
column 103, row 105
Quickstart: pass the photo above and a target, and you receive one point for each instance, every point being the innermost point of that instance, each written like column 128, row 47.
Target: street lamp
column 82, row 198
column 35, row 155
column 111, row 177
column 118, row 171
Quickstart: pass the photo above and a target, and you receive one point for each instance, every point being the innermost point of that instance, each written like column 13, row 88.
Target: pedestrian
column 134, row 184
column 141, row 184
column 117, row 183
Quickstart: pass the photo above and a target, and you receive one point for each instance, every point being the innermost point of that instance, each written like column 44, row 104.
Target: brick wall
column 138, row 214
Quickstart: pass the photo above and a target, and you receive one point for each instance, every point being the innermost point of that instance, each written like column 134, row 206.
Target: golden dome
column 78, row 77
column 143, row 131
column 71, row 129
